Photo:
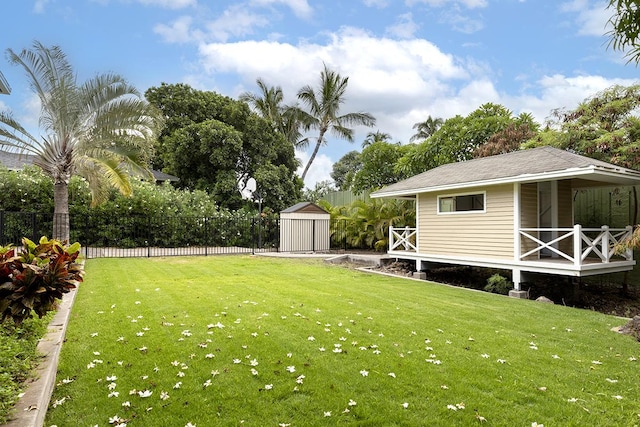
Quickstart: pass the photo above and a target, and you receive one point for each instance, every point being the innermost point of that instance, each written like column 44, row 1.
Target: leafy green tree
column 427, row 128
column 344, row 170
column 379, row 166
column 215, row 143
column 323, row 111
column 456, row 140
column 320, row 190
column 511, row 138
column 100, row 129
column 625, row 34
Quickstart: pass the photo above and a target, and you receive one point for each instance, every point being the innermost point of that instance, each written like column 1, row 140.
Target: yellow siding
column 486, row 235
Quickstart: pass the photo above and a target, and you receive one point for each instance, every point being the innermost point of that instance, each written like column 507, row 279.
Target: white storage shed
column 304, row 227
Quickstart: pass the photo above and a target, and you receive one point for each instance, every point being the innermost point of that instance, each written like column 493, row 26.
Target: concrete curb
column 32, row 407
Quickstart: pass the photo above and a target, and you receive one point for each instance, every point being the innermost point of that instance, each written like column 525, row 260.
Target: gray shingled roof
column 517, row 166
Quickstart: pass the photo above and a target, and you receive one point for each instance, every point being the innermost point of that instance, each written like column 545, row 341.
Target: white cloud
column 169, row 4
column 404, row 27
column 235, row 21
column 179, row 31
column 38, row 6
column 300, row 8
column 590, row 19
column 320, row 169
column 380, row 4
column 471, row 4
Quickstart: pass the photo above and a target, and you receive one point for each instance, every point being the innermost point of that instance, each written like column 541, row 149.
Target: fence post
column 253, row 236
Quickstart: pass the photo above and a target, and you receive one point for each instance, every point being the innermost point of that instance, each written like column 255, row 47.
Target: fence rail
column 155, row 235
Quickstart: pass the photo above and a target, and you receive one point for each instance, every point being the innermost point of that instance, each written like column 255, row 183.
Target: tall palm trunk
column 313, row 155
column 61, row 211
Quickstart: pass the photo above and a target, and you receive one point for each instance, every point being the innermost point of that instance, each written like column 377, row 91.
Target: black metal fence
column 155, row 235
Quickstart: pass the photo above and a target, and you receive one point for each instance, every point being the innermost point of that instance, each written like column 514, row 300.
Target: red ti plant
column 34, row 277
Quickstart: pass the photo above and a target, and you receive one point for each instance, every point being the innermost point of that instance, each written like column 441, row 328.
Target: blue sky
column 405, row 59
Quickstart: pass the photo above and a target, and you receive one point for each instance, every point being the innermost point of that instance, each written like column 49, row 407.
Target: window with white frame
column 462, row 203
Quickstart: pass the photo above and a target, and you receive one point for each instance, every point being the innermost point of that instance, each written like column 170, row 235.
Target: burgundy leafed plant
column 34, row 277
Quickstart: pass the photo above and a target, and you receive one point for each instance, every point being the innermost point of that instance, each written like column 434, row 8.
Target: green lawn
column 256, row 341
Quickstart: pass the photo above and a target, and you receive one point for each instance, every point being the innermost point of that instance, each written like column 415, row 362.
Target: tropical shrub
column 365, row 224
column 34, row 276
column 498, row 285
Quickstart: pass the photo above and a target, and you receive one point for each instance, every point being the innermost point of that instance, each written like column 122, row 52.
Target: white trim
column 621, row 178
column 517, row 220
column 417, row 202
column 469, row 193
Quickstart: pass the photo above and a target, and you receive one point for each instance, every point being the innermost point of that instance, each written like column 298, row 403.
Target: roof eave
column 614, row 176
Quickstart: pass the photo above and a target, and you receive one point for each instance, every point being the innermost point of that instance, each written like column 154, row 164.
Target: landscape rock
column 544, row 299
column 632, row 328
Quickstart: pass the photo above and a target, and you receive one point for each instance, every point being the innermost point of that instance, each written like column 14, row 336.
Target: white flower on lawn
column 215, row 372
column 632, row 359
column 94, row 334
column 311, row 338
column 555, row 356
column 121, row 425
column 254, row 371
column 376, row 351
column 392, row 375
column 452, row 407
column 134, row 320
column 209, row 356
column 96, row 353
column 177, row 385
column 143, row 348
column 164, row 395
column 126, row 404
column 254, row 334
column 202, row 345
column 156, row 369
column 363, row 348
column 268, row 386
column 120, row 362
column 444, row 387
column 485, row 355
column 146, row 328
column 289, row 355
column 189, row 424
column 327, row 413
column 145, row 393
column 114, row 394
column 59, row 402
column 291, row 368
column 352, row 402
column 144, row 377
column 337, row 350
column 364, row 373
column 611, row 381
column 91, row 365
column 253, row 362
column 596, row 362
column 322, row 349
column 113, row 306
column 139, row 334
column 186, row 333
column 112, row 378
column 180, row 374
column 535, row 424
column 237, row 361
column 67, row 380
column 405, row 405
column 133, row 392
column 112, row 386
column 501, row 361
column 342, row 338
column 617, row 397
column 300, row 379
column 572, row 400
column 568, row 329
column 207, row 383
column 120, row 339
column 137, row 303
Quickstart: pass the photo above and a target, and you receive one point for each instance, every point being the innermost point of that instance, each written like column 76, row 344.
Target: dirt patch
column 596, row 294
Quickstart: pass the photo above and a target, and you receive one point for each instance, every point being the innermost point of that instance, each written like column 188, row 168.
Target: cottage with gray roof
column 512, row 211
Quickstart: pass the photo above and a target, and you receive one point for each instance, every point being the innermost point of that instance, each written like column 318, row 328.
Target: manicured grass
column 18, row 356
column 238, row 340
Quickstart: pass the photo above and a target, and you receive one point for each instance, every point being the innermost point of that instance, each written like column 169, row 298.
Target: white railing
column 603, row 245
column 402, row 239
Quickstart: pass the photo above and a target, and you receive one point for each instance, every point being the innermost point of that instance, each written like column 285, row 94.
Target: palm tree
column 373, row 137
column 269, row 105
column 323, row 108
column 101, row 129
column 426, row 129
